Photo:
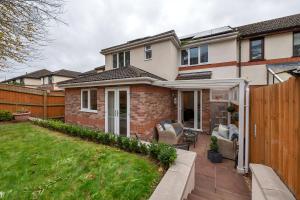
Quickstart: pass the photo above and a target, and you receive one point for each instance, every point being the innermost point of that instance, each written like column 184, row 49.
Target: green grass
column 36, row 163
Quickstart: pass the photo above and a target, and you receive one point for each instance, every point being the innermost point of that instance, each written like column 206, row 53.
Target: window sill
column 206, row 63
column 89, row 111
column 295, row 56
column 257, row 60
column 147, row 59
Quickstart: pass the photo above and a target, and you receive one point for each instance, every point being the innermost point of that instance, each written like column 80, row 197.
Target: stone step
column 192, row 196
column 209, row 195
column 227, row 195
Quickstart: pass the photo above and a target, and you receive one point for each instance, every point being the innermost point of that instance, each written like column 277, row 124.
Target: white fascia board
column 208, row 40
column 127, row 81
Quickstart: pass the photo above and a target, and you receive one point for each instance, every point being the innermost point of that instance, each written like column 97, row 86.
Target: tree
column 23, row 28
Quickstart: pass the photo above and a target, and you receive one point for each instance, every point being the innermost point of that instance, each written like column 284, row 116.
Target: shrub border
column 163, row 153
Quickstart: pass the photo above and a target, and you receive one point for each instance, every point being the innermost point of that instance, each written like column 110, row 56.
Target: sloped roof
column 114, row 74
column 142, row 41
column 66, row 73
column 35, row 75
column 278, row 24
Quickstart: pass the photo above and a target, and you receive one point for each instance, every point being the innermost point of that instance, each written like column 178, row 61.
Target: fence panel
column 275, row 130
column 40, row 103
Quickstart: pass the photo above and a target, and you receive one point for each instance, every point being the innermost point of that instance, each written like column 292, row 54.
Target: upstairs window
column 194, row 56
column 184, row 57
column 204, row 53
column 127, row 58
column 89, row 100
column 115, row 61
column 121, row 59
column 257, row 49
column 296, row 45
column 148, row 52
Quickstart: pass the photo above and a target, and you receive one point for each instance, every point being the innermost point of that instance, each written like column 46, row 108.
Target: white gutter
column 213, row 39
column 126, row 81
column 125, row 46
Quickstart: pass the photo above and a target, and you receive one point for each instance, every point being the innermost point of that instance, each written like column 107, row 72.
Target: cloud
column 97, row 24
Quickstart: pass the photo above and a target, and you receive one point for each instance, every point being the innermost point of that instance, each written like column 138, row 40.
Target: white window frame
column 199, row 54
column 89, row 101
column 215, row 100
column 147, row 50
column 124, row 59
column 180, row 109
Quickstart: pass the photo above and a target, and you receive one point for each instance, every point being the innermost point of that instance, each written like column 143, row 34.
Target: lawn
column 36, row 163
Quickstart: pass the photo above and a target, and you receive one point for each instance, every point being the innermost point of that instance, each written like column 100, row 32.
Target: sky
column 92, row 25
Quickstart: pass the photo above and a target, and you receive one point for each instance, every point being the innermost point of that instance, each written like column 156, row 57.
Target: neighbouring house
column 44, row 79
column 190, row 79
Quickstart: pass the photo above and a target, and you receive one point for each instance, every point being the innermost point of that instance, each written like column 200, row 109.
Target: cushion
column 178, row 130
column 170, row 128
column 233, row 130
column 223, row 131
column 159, row 128
column 167, row 121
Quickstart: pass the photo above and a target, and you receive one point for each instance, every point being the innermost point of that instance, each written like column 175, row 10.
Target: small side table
column 190, row 136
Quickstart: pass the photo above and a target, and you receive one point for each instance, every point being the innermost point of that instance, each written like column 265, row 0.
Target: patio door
column 190, row 108
column 117, row 111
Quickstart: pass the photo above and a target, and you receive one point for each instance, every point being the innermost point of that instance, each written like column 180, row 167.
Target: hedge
column 163, row 153
column 5, row 115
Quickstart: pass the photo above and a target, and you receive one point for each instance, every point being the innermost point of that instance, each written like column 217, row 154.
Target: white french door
column 190, row 108
column 117, row 111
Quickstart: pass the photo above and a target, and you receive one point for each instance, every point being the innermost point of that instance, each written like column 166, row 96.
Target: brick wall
column 75, row 116
column 206, row 111
column 149, row 106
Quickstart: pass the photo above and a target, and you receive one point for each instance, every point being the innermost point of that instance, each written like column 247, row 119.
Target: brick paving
column 216, row 181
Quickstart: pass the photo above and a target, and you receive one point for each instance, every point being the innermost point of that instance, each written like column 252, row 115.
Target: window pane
column 127, row 58
column 93, row 99
column 194, row 56
column 297, row 44
column 203, row 53
column 256, row 49
column 148, row 54
column 123, row 113
column 115, row 60
column 84, row 99
column 184, row 57
column 121, row 59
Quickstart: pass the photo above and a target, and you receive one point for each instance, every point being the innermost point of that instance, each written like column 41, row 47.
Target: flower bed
column 163, row 153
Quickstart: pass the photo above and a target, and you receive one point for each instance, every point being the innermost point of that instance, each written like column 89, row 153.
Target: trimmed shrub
column 163, row 153
column 134, row 145
column 167, row 156
column 5, row 115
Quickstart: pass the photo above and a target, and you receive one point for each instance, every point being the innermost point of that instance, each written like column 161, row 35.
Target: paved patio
column 216, row 181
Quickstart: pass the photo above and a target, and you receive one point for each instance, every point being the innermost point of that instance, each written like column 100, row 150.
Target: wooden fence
column 40, row 103
column 275, row 132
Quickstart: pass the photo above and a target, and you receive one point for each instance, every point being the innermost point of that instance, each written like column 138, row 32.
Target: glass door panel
column 123, row 113
column 188, row 109
column 111, row 111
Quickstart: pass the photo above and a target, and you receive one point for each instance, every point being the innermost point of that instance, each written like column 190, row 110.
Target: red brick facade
column 75, row 116
column 148, row 106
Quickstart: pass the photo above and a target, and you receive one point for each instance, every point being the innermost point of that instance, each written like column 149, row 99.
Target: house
column 32, row 79
column 190, row 79
column 43, row 78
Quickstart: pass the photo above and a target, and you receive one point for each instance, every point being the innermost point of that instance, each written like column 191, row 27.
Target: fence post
column 45, row 104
